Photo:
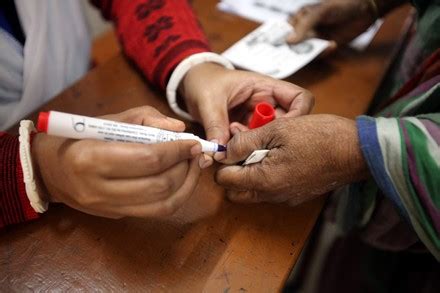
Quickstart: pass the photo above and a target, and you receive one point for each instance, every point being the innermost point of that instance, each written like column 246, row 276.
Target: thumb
column 243, row 144
column 215, row 121
column 243, row 178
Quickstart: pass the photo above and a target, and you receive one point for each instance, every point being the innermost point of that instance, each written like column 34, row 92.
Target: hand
column 216, row 96
column 337, row 20
column 309, row 156
column 113, row 179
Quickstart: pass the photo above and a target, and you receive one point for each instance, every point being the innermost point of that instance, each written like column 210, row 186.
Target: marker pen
column 82, row 127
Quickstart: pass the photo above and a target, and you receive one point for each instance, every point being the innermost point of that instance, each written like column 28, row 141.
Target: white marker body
column 83, row 127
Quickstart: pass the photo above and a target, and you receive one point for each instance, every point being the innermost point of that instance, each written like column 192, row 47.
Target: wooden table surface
column 211, row 244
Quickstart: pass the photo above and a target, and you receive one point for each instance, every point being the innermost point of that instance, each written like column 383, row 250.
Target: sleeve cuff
column 14, row 203
column 28, row 212
column 371, row 149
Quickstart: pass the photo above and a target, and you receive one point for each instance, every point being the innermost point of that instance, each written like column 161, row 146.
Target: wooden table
column 211, row 245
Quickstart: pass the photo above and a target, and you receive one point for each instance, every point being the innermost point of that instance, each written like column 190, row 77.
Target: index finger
column 147, row 116
column 302, row 104
column 294, row 99
column 240, row 178
column 243, row 144
column 124, row 160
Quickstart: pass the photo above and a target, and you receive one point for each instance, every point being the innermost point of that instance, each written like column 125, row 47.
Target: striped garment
column 401, row 143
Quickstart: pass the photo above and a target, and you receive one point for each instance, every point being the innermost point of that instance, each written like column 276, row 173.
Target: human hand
column 339, row 21
column 216, row 96
column 309, row 156
column 114, row 179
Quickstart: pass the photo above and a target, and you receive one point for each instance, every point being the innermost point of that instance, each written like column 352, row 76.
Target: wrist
column 196, row 75
column 37, row 148
column 348, row 153
column 181, row 71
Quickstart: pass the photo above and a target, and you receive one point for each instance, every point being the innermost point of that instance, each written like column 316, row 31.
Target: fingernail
column 196, row 150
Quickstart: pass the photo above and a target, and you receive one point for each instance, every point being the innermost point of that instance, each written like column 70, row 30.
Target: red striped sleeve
column 14, row 204
column 156, row 34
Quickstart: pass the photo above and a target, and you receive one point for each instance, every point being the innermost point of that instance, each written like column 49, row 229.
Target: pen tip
column 221, row 148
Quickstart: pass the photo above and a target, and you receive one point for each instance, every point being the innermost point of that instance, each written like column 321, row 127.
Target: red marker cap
column 263, row 114
column 43, row 121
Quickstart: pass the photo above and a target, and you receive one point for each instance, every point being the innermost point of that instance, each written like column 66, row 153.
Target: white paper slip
column 273, row 10
column 264, row 10
column 265, row 51
column 256, row 157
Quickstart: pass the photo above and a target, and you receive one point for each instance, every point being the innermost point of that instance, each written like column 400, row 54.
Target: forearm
column 156, row 35
column 14, row 204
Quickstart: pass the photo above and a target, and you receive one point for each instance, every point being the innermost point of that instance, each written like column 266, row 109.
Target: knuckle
column 241, row 141
column 83, row 160
column 235, row 140
column 151, row 158
column 127, row 115
column 214, row 126
column 87, row 199
column 140, row 115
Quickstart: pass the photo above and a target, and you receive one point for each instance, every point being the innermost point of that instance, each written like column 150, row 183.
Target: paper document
column 264, row 10
column 265, row 51
column 271, row 10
